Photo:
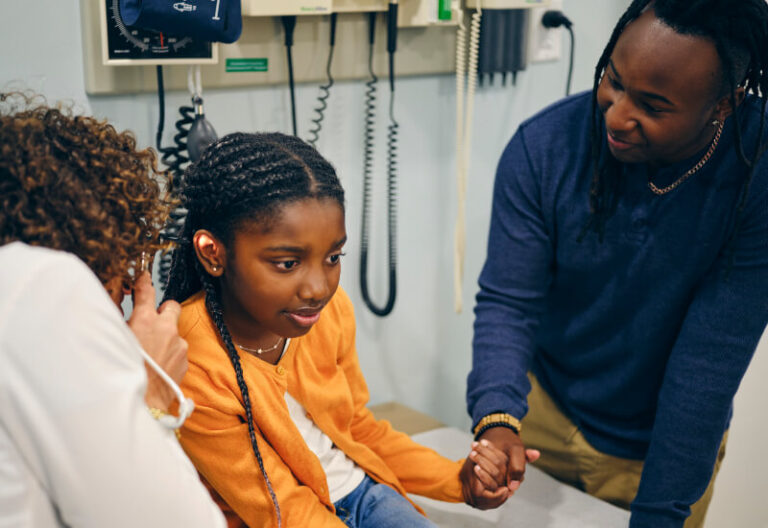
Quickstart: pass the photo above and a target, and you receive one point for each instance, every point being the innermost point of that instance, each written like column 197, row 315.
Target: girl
column 281, row 432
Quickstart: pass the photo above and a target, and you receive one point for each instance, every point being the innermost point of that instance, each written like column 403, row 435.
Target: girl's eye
column 651, row 109
column 286, row 264
column 616, row 85
column 335, row 258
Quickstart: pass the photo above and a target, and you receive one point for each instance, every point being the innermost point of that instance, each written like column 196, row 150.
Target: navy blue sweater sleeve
column 513, row 285
column 710, row 356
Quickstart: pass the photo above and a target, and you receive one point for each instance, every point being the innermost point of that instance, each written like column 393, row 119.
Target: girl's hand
column 490, row 465
column 483, row 477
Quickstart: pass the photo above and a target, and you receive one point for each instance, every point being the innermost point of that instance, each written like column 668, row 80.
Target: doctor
column 79, row 444
column 626, row 282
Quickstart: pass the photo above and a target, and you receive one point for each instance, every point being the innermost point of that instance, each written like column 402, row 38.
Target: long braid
column 243, row 178
column 739, row 31
column 213, row 305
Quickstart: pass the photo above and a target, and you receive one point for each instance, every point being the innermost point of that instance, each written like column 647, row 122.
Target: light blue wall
column 420, row 355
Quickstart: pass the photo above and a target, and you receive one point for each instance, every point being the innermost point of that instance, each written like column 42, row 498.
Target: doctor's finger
column 143, row 293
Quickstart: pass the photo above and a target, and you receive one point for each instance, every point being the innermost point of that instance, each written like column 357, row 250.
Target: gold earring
column 214, row 269
column 715, row 122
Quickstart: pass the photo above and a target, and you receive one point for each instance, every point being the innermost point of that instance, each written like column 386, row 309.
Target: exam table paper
column 541, row 502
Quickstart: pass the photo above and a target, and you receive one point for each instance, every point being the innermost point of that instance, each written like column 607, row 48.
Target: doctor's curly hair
column 73, row 183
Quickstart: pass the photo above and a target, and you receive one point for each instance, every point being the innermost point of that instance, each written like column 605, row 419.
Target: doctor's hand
column 518, row 456
column 158, row 333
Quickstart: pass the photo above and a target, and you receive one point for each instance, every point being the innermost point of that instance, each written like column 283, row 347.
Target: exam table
column 541, row 502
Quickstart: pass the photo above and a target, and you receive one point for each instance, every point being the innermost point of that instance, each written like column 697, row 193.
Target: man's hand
column 510, row 444
column 158, row 333
column 483, row 476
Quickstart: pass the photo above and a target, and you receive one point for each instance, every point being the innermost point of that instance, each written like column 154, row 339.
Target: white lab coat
column 78, row 447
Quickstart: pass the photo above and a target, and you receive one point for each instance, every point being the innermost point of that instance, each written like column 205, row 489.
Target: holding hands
column 495, row 468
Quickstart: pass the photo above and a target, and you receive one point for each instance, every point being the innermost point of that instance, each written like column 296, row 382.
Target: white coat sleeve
column 72, row 403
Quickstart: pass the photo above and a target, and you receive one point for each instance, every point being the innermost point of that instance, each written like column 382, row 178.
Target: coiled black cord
column 370, row 107
column 175, row 159
column 325, row 90
column 392, row 134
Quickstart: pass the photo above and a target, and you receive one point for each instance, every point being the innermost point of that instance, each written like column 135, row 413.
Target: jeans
column 373, row 505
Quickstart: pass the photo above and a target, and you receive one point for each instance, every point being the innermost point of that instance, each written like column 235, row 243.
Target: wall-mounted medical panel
column 259, row 56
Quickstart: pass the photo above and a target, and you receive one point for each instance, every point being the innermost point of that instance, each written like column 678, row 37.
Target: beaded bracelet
column 495, row 424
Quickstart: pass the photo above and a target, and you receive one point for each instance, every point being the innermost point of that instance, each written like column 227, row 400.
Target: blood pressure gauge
column 125, row 45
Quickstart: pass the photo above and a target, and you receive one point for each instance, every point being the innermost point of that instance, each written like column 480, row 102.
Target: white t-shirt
column 78, row 447
column 342, row 473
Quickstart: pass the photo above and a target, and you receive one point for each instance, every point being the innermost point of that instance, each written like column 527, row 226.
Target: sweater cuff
column 646, row 519
column 496, row 402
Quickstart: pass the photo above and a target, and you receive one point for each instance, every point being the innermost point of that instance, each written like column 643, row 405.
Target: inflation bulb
column 202, row 133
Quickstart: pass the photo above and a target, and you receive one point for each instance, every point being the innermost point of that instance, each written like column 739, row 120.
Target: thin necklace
column 260, row 350
column 692, row 170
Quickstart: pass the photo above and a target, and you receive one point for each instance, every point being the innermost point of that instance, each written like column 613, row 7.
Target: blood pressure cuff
column 207, row 20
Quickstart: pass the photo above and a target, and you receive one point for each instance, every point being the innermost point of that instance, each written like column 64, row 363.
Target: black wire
column 570, row 65
column 391, row 176
column 392, row 42
column 555, row 19
column 161, row 104
column 325, row 90
column 289, row 24
column 173, row 158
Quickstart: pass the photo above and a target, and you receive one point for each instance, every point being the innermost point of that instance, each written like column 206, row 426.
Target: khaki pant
column 567, row 456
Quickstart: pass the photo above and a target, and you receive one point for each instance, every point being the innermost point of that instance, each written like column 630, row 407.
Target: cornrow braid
column 243, row 178
column 739, row 31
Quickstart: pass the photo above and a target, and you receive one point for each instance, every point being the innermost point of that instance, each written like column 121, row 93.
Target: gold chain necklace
column 260, row 350
column 703, row 161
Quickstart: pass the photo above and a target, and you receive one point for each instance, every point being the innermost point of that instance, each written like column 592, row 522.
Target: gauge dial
column 126, row 42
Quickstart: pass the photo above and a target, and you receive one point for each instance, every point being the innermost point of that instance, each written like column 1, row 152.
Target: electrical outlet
column 544, row 44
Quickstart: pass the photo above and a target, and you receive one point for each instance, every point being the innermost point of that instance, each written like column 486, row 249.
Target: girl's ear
column 210, row 252
column 724, row 107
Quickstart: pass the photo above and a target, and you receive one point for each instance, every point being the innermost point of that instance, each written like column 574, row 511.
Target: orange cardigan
column 321, row 371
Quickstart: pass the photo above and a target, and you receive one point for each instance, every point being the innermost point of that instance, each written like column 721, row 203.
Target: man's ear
column 725, row 107
column 210, row 252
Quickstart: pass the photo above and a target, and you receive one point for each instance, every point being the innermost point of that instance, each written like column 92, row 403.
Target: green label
column 247, row 65
column 444, row 9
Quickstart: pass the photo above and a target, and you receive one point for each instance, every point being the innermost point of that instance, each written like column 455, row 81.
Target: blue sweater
column 642, row 339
